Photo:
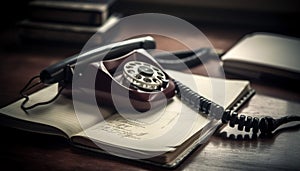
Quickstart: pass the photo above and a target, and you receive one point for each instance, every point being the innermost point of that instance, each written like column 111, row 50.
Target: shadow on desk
column 23, row 150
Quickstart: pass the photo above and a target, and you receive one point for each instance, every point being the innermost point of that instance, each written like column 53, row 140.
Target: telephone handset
column 135, row 74
column 58, row 72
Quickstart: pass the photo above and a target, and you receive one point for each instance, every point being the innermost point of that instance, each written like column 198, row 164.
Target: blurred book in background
column 264, row 55
column 67, row 21
column 76, row 12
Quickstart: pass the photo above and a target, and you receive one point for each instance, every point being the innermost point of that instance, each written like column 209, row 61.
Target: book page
column 166, row 128
column 220, row 91
column 154, row 131
column 59, row 114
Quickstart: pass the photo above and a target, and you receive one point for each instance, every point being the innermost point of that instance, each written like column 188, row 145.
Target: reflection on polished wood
column 227, row 149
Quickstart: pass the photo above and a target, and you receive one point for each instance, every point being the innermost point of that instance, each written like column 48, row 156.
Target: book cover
column 261, row 55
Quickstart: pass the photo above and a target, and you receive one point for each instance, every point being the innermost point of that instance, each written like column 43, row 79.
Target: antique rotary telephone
column 143, row 80
column 141, row 77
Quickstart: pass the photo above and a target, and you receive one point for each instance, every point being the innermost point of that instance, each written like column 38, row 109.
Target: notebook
column 151, row 139
column 260, row 55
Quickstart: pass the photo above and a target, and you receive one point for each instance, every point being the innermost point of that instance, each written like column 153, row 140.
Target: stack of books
column 68, row 21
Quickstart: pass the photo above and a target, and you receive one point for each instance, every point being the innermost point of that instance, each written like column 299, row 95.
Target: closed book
column 71, row 12
column 65, row 33
column 264, row 55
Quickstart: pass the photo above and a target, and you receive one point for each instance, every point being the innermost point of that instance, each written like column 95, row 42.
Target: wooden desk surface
column 227, row 149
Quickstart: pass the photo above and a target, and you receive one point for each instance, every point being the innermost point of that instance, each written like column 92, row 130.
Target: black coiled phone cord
column 265, row 125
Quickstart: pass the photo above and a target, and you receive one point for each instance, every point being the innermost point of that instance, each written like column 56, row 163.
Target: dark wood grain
column 228, row 149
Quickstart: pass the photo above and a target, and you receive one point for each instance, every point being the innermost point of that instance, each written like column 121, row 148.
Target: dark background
column 12, row 11
column 265, row 15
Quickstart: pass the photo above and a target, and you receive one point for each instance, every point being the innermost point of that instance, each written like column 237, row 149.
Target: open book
column 164, row 137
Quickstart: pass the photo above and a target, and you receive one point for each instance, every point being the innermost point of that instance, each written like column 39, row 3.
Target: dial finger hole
column 159, row 73
column 159, row 77
column 138, row 76
column 147, row 80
